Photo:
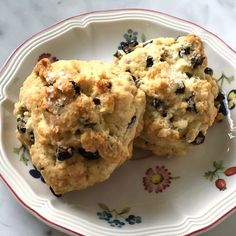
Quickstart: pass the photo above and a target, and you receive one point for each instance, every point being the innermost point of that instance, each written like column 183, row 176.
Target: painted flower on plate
column 116, row 218
column 157, row 179
column 131, row 35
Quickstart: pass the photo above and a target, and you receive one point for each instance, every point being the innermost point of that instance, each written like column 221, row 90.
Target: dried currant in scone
column 57, row 195
column 109, row 85
column 128, row 47
column 31, row 137
column 208, row 71
column 149, row 61
column 23, row 109
column 199, row 139
column 86, row 122
column 220, row 97
column 90, row 125
column 133, row 43
column 223, row 109
column 196, row 61
column 132, row 121
column 189, row 74
column 171, row 119
column 219, row 102
column 160, row 106
column 164, row 56
column 157, row 103
column 96, row 101
column 63, row 154
column 184, row 51
column 191, row 104
column 88, row 155
column 21, row 124
column 147, row 42
column 22, row 120
column 180, row 88
column 76, row 87
column 136, row 81
column 117, row 54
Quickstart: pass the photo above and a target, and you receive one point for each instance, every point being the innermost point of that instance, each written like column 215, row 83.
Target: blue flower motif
column 130, row 31
column 130, row 42
column 116, row 223
column 117, row 218
column 133, row 219
column 36, row 174
column 138, row 219
column 104, row 215
column 127, row 37
column 130, row 36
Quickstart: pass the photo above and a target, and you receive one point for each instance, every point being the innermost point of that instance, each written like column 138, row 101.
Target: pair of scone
column 79, row 119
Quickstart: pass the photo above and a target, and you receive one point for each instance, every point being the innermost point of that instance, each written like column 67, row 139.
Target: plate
column 147, row 195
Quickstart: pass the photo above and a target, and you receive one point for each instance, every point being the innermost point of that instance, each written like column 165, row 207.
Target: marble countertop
column 20, row 19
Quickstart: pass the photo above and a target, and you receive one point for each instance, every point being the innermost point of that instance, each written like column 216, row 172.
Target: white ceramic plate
column 126, row 204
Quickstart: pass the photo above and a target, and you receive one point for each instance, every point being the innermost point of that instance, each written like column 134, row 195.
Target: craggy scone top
column 182, row 96
column 78, row 120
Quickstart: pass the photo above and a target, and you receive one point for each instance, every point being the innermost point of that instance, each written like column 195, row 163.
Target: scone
column 181, row 93
column 78, row 120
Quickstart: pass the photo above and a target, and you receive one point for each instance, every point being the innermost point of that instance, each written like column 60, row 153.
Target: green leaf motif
column 124, row 211
column 104, row 207
column 212, row 174
column 143, row 38
column 223, row 77
column 22, row 152
column 218, row 165
column 24, row 158
column 118, row 218
column 229, row 78
column 17, row 150
column 209, row 175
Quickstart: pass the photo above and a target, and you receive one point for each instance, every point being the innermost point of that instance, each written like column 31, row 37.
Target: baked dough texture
column 78, row 120
column 181, row 93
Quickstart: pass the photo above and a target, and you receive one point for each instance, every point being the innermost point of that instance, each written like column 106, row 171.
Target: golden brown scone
column 180, row 91
column 78, row 120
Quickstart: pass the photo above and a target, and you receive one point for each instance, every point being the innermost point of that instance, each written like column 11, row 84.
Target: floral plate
column 147, row 195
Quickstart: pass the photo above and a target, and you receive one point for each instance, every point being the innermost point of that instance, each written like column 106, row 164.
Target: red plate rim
column 84, row 14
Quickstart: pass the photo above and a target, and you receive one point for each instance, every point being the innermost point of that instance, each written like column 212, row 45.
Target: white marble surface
column 21, row 19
